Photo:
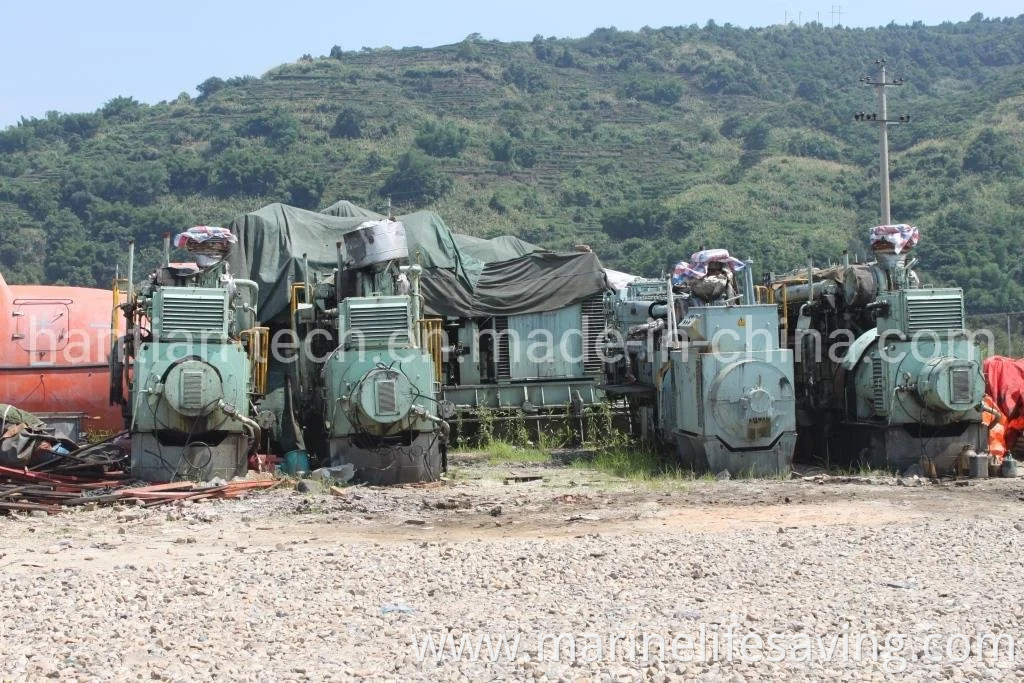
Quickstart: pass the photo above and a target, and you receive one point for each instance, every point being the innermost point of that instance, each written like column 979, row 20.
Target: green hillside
column 644, row 145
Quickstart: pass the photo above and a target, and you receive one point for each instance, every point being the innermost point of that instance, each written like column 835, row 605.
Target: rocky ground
column 287, row 585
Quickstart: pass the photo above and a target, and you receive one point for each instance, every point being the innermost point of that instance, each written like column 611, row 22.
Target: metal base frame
column 420, row 461
column 153, row 462
column 709, row 454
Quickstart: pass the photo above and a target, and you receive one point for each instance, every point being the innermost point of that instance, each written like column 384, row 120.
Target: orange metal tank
column 55, row 345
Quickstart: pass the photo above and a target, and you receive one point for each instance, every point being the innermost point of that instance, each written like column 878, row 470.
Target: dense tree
column 993, row 151
column 244, row 170
column 122, row 109
column 348, row 124
column 416, row 179
column 635, row 219
column 657, row 91
column 278, row 126
column 442, row 139
column 525, row 78
column 209, row 86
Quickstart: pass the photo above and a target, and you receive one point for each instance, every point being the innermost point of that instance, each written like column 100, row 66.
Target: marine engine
column 887, row 374
column 700, row 365
column 373, row 395
column 192, row 357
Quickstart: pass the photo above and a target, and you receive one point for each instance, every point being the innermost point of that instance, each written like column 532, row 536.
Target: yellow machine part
column 257, row 344
column 431, row 338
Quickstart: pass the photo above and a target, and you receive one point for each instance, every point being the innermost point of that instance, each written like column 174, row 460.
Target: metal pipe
column 414, row 271
column 652, row 326
column 248, row 305
column 671, row 314
column 131, row 270
column 748, row 283
column 247, row 283
column 254, row 292
column 337, row 276
column 846, row 258
column 167, row 249
column 446, row 430
column 252, row 428
column 795, row 294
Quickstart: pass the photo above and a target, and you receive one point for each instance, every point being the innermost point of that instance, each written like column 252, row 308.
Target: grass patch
column 501, row 452
column 636, row 463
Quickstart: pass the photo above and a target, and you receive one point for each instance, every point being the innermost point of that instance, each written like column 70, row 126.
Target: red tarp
column 1004, row 382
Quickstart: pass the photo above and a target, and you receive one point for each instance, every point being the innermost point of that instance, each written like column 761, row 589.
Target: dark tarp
column 273, row 240
column 431, row 243
column 542, row 281
column 500, row 248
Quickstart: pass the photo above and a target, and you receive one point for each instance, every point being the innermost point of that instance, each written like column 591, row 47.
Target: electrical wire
column 383, row 446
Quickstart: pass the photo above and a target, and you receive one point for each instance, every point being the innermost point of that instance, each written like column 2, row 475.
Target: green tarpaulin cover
column 516, row 278
column 542, row 281
column 495, row 249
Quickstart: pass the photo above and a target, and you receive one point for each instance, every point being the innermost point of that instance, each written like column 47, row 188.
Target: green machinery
column 704, row 374
column 193, row 362
column 887, row 374
column 503, row 362
column 509, row 328
column 373, row 395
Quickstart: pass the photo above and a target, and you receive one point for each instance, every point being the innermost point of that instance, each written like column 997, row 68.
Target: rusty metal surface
column 23, row 490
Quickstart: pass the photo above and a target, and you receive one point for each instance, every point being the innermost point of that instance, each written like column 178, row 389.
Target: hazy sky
column 73, row 56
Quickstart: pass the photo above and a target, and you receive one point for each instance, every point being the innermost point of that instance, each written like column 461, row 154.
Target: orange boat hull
column 55, row 346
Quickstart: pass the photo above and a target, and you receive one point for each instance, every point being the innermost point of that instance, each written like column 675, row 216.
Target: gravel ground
column 311, row 586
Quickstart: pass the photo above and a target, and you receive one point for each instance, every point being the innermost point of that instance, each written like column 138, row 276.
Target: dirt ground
column 484, row 501
column 322, row 585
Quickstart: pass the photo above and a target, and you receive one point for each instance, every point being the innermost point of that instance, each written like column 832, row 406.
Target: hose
column 249, row 425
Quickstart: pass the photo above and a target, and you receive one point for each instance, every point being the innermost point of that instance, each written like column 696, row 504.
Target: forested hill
column 644, row 145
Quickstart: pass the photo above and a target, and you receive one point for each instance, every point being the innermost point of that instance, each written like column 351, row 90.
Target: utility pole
column 881, row 118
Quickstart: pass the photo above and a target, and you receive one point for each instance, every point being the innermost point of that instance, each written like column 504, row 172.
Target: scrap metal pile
column 25, row 491
column 41, row 470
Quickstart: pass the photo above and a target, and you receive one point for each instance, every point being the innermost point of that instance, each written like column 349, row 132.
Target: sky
column 73, row 56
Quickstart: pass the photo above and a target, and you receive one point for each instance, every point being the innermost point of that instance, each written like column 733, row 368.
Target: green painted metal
column 192, row 313
column 374, row 395
column 380, row 397
column 191, row 381
column 557, row 395
column 888, row 376
column 543, row 345
column 722, row 393
column 731, row 392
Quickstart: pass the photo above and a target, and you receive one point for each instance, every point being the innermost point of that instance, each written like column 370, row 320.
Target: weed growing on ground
column 485, row 426
column 518, row 434
column 602, row 434
column 634, row 462
column 502, row 452
column 460, row 441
